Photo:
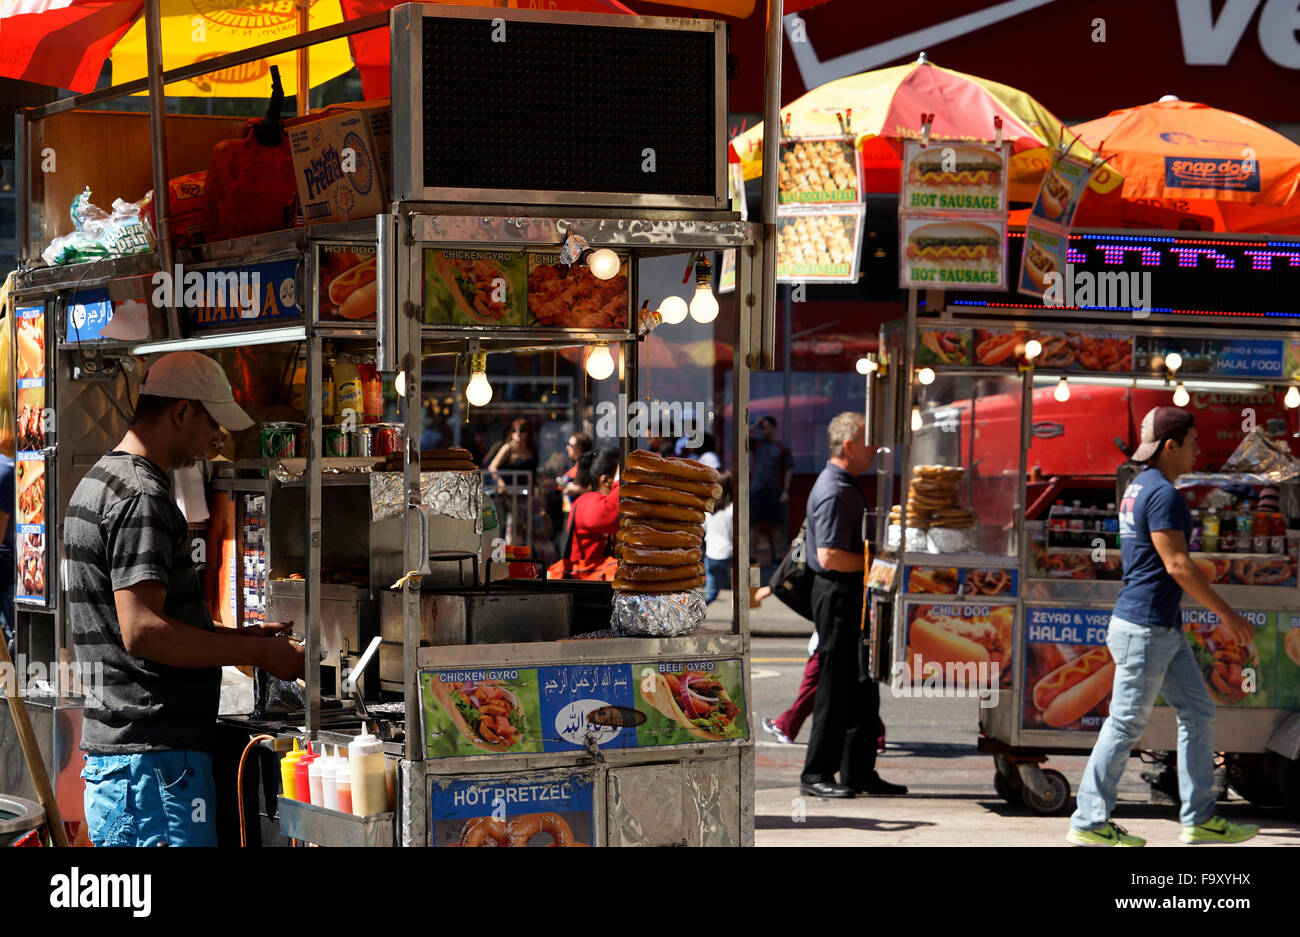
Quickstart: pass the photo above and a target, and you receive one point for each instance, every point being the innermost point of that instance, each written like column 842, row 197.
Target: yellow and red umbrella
column 884, row 107
column 1187, row 165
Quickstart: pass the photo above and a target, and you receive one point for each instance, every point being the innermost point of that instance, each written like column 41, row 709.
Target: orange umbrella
column 1188, row 165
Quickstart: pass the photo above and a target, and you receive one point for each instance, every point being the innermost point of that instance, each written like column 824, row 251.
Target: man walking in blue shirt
column 1151, row 654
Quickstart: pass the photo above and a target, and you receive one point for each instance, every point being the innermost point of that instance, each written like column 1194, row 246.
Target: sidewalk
column 772, row 619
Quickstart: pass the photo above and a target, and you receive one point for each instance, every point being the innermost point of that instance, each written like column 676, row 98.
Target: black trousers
column 845, row 712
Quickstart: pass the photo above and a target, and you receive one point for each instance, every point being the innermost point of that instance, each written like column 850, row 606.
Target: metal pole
column 22, row 197
column 158, row 139
column 787, row 390
column 312, row 627
column 771, row 137
column 304, row 60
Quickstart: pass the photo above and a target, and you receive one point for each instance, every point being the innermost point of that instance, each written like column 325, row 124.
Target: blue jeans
column 717, row 573
column 164, row 798
column 1151, row 662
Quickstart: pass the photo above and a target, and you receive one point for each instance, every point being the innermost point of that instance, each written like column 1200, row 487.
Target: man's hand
column 271, row 629
column 1237, row 628
column 283, row 658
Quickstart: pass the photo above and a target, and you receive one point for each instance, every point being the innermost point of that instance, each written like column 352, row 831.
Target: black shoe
column 881, row 787
column 825, row 789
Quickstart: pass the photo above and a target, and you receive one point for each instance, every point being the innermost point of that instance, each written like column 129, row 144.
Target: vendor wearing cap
column 138, row 612
column 1151, row 654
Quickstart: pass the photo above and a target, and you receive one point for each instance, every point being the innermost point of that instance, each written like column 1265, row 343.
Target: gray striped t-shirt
column 123, row 528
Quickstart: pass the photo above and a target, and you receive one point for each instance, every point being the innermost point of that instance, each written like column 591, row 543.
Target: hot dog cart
column 352, row 552
column 1013, row 420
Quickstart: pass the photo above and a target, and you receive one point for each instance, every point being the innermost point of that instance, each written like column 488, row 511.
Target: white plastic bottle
column 315, row 790
column 329, row 779
column 343, row 783
column 369, row 789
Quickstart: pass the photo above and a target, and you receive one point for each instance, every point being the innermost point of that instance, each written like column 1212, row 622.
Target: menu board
column 818, row 246
column 1288, row 661
column 818, row 171
column 1062, row 350
column 955, row 644
column 537, row 808
column 514, row 289
column 231, row 297
column 89, row 315
column 1061, row 189
column 1045, row 253
column 558, row 709
column 952, row 253
column 1068, row 669
column 346, row 284
column 1240, row 677
column 1237, row 357
column 946, row 176
column 950, row 580
column 34, row 432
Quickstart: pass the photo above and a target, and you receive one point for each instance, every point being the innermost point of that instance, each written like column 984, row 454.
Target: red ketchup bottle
column 301, row 781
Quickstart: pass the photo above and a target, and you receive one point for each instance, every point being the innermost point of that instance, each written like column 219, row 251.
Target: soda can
column 336, row 443
column 364, row 441
column 388, row 438
column 278, row 440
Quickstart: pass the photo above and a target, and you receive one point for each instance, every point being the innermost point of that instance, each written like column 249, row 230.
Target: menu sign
column 1244, row 357
column 818, row 246
column 1237, row 676
column 958, row 645
column 232, row 297
column 560, row 709
column 34, row 432
column 1068, row 669
column 1045, row 253
column 572, row 297
column 1062, row 188
column 541, row 808
column 952, row 253
column 346, row 284
column 950, row 177
column 818, row 171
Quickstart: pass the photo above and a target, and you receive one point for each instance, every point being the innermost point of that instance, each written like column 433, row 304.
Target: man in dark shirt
column 844, row 714
column 1151, row 653
column 138, row 612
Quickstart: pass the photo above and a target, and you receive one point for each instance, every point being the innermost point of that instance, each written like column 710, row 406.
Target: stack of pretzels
column 662, row 503
column 932, row 498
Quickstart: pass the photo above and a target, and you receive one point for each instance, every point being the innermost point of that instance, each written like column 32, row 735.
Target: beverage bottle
column 372, row 391
column 1111, row 525
column 298, row 385
column 1056, row 525
column 1245, row 528
column 327, row 392
column 1260, row 532
column 1077, row 537
column 1210, row 531
column 1277, row 534
column 1228, row 532
column 1195, row 543
column 348, row 394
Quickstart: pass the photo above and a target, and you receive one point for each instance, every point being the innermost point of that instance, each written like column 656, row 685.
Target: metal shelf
column 961, row 559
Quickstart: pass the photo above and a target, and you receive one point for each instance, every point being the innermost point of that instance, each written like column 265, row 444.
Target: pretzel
column 641, row 536
column 658, row 573
column 659, row 495
column 481, row 829
column 664, row 526
column 668, row 512
column 703, row 489
column 688, row 469
column 649, row 556
column 670, row 585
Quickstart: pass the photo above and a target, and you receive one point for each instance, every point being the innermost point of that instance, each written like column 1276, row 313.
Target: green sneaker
column 1218, row 830
column 1112, row 834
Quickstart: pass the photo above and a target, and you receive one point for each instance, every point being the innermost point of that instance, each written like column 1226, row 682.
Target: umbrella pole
column 304, row 59
column 35, row 766
column 158, row 139
column 771, row 137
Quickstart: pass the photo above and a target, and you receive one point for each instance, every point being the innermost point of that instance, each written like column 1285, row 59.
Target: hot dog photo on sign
column 1068, row 669
column 348, row 286
column 943, row 639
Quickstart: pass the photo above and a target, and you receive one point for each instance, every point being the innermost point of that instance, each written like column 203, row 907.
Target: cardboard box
column 380, row 117
column 336, row 163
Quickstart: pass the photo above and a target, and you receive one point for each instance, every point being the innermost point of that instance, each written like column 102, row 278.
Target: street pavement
column 931, row 749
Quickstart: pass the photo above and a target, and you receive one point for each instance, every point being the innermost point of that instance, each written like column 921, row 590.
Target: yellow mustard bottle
column 287, row 764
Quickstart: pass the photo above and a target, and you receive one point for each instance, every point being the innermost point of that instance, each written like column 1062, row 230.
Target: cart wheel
column 1252, row 777
column 1006, row 790
column 1057, row 802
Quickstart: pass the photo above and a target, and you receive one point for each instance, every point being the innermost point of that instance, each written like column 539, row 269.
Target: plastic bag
column 100, row 234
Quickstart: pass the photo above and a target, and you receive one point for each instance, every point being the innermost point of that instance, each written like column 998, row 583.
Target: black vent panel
column 568, row 107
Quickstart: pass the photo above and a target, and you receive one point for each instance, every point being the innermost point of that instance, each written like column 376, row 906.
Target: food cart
column 353, row 552
column 1014, row 606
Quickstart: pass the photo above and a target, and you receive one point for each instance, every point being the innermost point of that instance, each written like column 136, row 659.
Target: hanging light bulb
column 399, row 383
column 478, row 392
column 1173, row 361
column 604, row 264
column 704, row 305
column 917, row 422
column 600, row 364
column 925, row 375
column 1292, row 399
column 673, row 309
column 1033, row 348
column 865, row 365
column 1062, row 392
column 1181, row 397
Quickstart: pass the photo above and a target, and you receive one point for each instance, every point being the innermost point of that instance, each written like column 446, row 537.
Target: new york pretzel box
column 336, row 163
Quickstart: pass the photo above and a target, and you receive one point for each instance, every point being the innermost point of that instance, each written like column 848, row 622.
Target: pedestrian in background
column 770, row 473
column 718, row 542
column 847, row 707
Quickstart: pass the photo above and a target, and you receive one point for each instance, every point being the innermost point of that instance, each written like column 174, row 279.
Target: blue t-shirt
column 7, row 505
column 1149, row 596
column 835, row 508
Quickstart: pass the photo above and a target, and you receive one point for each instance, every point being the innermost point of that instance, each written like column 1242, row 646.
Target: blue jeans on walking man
column 1150, row 662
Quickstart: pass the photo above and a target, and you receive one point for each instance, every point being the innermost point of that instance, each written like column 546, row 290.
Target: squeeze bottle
column 329, row 780
column 301, row 780
column 343, row 785
column 369, row 791
column 287, row 764
column 314, row 779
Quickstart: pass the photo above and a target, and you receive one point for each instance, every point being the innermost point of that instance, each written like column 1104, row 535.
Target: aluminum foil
column 1259, row 455
column 951, row 540
column 451, row 494
column 658, row 614
column 893, row 538
column 915, row 541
